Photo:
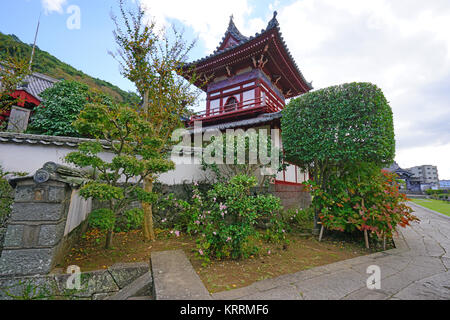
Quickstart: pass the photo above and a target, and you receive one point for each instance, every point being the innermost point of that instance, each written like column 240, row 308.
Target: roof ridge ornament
column 234, row 30
column 274, row 22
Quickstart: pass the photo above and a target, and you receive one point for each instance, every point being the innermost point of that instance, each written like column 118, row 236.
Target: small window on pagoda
column 231, row 104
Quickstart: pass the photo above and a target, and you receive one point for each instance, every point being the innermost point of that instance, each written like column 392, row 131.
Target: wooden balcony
column 237, row 110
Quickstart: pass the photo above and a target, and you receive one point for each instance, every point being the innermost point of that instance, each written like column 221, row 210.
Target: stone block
column 94, row 282
column 40, row 193
column 40, row 287
column 26, row 193
column 56, row 194
column 51, row 235
column 125, row 273
column 30, row 236
column 18, row 119
column 26, row 261
column 14, row 236
column 37, row 212
column 140, row 286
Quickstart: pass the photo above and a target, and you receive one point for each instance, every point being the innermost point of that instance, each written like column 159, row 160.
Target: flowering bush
column 364, row 199
column 226, row 219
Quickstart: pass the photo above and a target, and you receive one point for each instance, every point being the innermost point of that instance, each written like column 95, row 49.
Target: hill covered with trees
column 11, row 45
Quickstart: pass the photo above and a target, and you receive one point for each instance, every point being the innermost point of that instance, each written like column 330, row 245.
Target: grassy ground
column 436, row 205
column 303, row 252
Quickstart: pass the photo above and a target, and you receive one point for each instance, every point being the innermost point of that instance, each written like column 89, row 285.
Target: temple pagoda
column 247, row 81
column 247, row 76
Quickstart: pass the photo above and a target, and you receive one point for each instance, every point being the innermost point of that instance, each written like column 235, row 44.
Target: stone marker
column 18, row 119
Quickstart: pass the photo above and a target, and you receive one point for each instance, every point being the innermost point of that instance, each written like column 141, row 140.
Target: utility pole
column 34, row 44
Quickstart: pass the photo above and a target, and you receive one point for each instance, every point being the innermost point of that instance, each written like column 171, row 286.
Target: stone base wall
column 35, row 228
column 35, row 240
column 292, row 196
column 95, row 285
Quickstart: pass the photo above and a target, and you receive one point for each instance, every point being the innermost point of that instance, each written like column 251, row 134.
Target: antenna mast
column 35, row 38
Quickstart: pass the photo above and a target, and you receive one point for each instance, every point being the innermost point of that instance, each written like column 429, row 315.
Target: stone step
column 138, row 287
column 174, row 278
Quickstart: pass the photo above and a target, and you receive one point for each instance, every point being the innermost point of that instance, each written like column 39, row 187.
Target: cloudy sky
column 403, row 46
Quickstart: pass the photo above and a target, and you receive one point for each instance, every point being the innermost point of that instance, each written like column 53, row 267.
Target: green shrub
column 6, row 198
column 364, row 199
column 102, row 219
column 302, row 219
column 171, row 211
column 130, row 220
column 226, row 219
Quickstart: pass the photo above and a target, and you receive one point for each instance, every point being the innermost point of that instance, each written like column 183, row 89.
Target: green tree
column 60, row 107
column 135, row 148
column 12, row 73
column 153, row 61
column 327, row 131
column 242, row 157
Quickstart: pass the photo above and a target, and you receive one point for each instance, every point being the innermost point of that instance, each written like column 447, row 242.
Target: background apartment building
column 427, row 174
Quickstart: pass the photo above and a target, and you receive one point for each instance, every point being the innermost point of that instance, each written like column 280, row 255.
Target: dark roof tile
column 36, row 83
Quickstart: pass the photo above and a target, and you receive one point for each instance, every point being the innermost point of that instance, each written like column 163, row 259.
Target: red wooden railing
column 262, row 104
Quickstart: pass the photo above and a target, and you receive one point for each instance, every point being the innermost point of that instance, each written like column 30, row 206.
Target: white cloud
column 53, row 6
column 402, row 46
column 209, row 19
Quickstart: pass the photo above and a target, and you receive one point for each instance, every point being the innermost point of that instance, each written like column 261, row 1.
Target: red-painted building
column 247, row 81
column 29, row 92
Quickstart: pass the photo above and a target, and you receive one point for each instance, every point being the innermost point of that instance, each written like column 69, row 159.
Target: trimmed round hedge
column 346, row 123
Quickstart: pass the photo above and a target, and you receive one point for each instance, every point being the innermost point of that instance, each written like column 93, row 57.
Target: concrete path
column 417, row 269
column 174, row 278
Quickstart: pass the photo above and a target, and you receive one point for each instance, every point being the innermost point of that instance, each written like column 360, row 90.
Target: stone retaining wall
column 292, row 196
column 95, row 285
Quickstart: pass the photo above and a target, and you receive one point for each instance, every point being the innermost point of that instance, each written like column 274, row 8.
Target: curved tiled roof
column 273, row 24
column 234, row 32
column 34, row 139
column 36, row 83
column 263, row 118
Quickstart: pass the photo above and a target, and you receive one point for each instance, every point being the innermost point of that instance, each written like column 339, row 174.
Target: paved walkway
column 174, row 278
column 417, row 269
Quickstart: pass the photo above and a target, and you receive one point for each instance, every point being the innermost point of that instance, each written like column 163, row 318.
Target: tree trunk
column 109, row 238
column 149, row 233
column 317, row 226
column 366, row 239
